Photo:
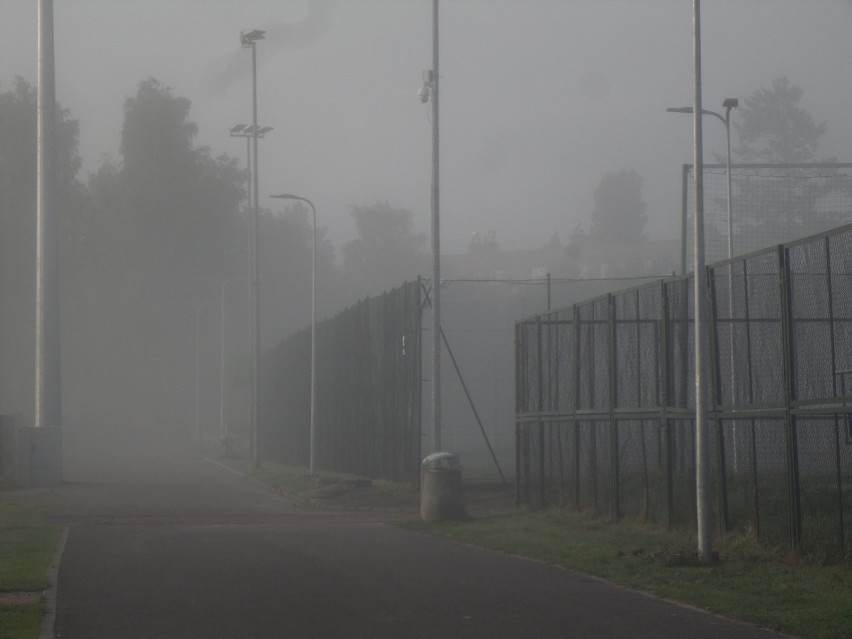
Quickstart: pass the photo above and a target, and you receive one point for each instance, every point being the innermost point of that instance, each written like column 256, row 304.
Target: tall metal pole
column 249, row 39
column 47, row 362
column 313, row 339
column 702, row 435
column 255, row 266
column 730, row 188
column 436, row 243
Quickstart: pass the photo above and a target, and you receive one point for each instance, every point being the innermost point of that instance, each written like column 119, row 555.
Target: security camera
column 424, row 93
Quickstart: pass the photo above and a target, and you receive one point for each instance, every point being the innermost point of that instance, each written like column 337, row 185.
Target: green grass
column 20, row 622
column 27, row 544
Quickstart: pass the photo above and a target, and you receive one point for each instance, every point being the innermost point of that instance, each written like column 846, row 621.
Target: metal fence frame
column 368, row 385
column 605, row 398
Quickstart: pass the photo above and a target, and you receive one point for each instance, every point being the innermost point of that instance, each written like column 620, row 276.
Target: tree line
column 154, row 245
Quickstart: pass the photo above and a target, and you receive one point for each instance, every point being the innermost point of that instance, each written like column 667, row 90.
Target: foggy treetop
column 539, row 99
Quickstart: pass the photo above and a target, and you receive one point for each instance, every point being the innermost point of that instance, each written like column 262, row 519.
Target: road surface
column 183, row 548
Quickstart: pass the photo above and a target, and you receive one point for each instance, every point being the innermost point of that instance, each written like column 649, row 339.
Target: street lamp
column 249, row 39
column 288, row 196
column 728, row 104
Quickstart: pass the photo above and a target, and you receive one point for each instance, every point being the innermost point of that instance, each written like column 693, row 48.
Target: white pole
column 702, row 438
column 255, row 267
column 47, row 356
column 436, row 243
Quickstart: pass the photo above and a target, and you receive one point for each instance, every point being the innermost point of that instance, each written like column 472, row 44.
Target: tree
column 771, row 126
column 619, row 213
column 386, row 252
column 181, row 201
column 162, row 220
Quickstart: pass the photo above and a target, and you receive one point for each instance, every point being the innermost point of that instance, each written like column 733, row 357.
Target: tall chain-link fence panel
column 368, row 390
column 606, row 398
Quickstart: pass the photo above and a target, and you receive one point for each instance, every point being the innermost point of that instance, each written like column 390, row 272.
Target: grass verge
column 769, row 587
column 27, row 544
column 334, row 490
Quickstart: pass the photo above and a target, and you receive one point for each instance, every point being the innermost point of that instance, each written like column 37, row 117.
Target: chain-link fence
column 605, row 398
column 368, row 390
column 771, row 204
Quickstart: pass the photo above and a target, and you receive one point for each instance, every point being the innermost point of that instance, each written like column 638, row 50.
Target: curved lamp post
column 728, row 104
column 289, row 196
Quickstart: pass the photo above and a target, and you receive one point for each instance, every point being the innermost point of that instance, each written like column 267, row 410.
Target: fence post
column 665, row 387
column 613, row 398
column 716, row 393
column 540, row 380
column 794, row 502
column 576, row 367
column 519, row 405
column 838, row 468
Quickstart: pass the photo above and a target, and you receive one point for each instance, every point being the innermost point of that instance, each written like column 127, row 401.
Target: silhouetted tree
column 772, row 127
column 619, row 213
column 164, row 218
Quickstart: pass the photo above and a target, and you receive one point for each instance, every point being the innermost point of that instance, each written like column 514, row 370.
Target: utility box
column 441, row 495
column 39, row 457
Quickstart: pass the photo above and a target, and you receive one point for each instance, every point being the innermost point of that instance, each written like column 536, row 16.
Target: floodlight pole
column 436, row 242
column 47, row 357
column 249, row 39
column 429, row 91
column 312, row 454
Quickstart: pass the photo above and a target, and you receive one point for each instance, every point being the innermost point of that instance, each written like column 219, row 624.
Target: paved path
column 192, row 550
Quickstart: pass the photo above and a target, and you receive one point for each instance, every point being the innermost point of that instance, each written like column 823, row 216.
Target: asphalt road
column 188, row 549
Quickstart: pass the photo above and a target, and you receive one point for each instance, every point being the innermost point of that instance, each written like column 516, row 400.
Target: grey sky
column 539, row 98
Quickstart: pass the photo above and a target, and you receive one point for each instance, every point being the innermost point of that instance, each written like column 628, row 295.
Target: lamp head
column 730, row 103
column 249, row 36
column 679, row 109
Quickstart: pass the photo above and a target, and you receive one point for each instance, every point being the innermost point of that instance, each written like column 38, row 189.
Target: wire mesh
column 619, row 377
column 771, row 204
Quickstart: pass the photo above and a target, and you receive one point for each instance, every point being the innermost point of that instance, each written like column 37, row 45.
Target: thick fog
column 539, row 98
column 539, row 101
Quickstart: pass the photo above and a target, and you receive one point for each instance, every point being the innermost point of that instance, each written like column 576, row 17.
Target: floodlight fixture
column 249, row 36
column 730, row 103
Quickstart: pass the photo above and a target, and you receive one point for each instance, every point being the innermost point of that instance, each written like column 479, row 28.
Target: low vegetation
column 27, row 544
